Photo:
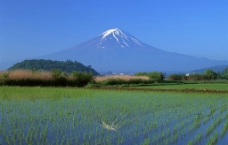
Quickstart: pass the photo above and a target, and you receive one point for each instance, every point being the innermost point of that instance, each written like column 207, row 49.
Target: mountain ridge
column 218, row 68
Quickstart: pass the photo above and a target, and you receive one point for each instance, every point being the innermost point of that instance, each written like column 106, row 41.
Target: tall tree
column 156, row 76
column 225, row 73
column 210, row 74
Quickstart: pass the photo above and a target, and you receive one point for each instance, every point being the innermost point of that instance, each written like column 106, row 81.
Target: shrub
column 56, row 73
column 82, row 78
column 155, row 76
column 5, row 77
column 177, row 77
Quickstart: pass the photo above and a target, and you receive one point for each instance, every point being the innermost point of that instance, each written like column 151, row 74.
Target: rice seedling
column 86, row 116
column 224, row 129
column 213, row 139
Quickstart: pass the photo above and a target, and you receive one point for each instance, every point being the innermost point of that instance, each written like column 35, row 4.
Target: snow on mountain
column 121, row 37
column 112, row 39
column 110, row 31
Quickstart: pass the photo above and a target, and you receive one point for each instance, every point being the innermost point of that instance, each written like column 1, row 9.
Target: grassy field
column 85, row 116
column 200, row 86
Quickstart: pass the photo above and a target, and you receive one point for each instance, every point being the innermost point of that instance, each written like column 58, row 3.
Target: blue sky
column 38, row 27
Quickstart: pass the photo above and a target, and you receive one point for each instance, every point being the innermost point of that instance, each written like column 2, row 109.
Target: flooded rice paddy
column 83, row 116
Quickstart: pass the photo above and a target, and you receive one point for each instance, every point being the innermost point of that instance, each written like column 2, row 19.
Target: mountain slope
column 118, row 51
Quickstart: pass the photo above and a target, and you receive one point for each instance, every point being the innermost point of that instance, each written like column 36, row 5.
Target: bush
column 56, row 73
column 154, row 76
column 5, row 78
column 92, row 85
column 82, row 78
column 177, row 77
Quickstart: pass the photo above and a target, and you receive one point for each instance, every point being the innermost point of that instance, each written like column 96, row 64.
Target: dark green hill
column 42, row 64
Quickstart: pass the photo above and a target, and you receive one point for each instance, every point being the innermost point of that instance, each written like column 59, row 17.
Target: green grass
column 192, row 86
column 75, row 116
column 42, row 92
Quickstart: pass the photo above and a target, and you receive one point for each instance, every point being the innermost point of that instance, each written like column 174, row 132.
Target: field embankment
column 164, row 90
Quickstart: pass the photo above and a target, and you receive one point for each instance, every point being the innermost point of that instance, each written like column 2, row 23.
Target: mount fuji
column 118, row 51
column 113, row 39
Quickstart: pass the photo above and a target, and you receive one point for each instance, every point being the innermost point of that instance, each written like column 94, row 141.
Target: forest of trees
column 207, row 75
column 48, row 65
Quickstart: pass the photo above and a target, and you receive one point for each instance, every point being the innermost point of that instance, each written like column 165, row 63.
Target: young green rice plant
column 64, row 116
column 223, row 108
column 198, row 138
column 197, row 122
column 213, row 140
column 190, row 142
column 210, row 129
column 224, row 129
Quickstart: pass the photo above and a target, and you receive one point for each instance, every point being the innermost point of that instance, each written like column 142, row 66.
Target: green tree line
column 207, row 75
column 48, row 65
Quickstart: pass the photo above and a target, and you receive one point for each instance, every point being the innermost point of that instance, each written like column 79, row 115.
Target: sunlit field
column 202, row 86
column 122, row 77
column 86, row 116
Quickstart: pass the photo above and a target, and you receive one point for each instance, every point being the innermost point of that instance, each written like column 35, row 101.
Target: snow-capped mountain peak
column 110, row 31
column 114, row 32
column 113, row 39
column 119, row 38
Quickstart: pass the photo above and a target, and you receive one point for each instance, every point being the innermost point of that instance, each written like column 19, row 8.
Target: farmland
column 198, row 86
column 87, row 116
